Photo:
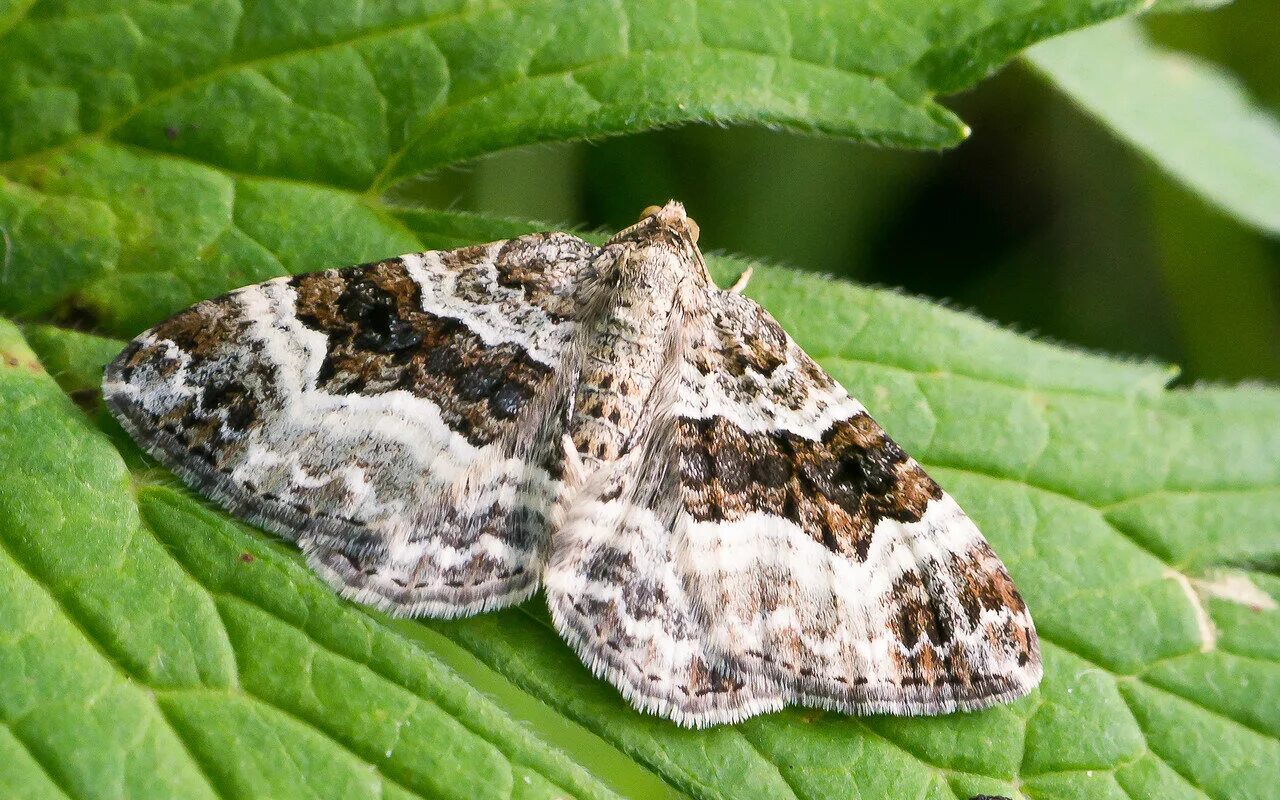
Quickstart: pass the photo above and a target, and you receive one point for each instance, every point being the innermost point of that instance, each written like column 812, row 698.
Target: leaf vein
column 38, row 759
column 384, row 179
column 1119, row 678
column 214, row 785
column 746, row 739
column 461, row 719
column 1162, row 759
column 110, row 659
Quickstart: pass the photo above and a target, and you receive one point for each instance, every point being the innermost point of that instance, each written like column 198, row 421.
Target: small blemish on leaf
column 246, row 558
column 1235, row 588
column 10, row 360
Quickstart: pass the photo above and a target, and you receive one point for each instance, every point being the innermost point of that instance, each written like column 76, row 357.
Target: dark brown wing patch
column 380, row 340
column 836, row 489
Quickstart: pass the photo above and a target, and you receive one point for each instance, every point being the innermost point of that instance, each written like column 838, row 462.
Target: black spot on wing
column 380, row 340
column 373, row 312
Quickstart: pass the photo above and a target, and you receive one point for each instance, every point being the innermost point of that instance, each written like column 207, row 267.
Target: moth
column 719, row 527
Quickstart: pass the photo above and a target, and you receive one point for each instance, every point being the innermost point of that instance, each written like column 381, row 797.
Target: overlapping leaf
column 1189, row 117
column 160, row 153
column 357, row 96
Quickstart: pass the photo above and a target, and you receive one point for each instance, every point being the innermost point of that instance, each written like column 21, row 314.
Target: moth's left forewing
column 822, row 555
column 397, row 419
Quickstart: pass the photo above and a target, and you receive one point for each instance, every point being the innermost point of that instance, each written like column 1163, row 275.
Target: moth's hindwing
column 397, row 419
column 618, row 595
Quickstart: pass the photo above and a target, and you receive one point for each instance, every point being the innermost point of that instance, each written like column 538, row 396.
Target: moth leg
column 740, row 285
column 575, row 472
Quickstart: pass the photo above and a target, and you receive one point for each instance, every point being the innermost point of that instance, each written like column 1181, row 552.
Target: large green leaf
column 1141, row 524
column 114, row 115
column 151, row 647
column 361, row 94
column 1190, row 118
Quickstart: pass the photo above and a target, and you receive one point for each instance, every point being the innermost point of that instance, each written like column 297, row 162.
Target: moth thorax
column 625, row 354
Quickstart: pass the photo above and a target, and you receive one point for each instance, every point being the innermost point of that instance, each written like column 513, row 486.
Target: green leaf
column 1117, row 505
column 363, row 95
column 160, row 153
column 1192, row 119
column 134, row 134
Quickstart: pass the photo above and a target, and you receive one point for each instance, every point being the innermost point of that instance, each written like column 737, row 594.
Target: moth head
column 666, row 229
column 673, row 213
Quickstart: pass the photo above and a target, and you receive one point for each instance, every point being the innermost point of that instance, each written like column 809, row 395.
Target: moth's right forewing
column 822, row 555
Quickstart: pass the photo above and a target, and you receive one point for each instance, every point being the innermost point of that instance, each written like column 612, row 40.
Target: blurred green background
column 1042, row 220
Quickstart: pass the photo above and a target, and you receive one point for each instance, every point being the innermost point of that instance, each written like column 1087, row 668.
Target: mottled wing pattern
column 616, row 592
column 398, row 419
column 822, row 556
column 617, row 596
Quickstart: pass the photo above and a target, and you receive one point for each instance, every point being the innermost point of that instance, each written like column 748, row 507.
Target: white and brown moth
column 719, row 527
